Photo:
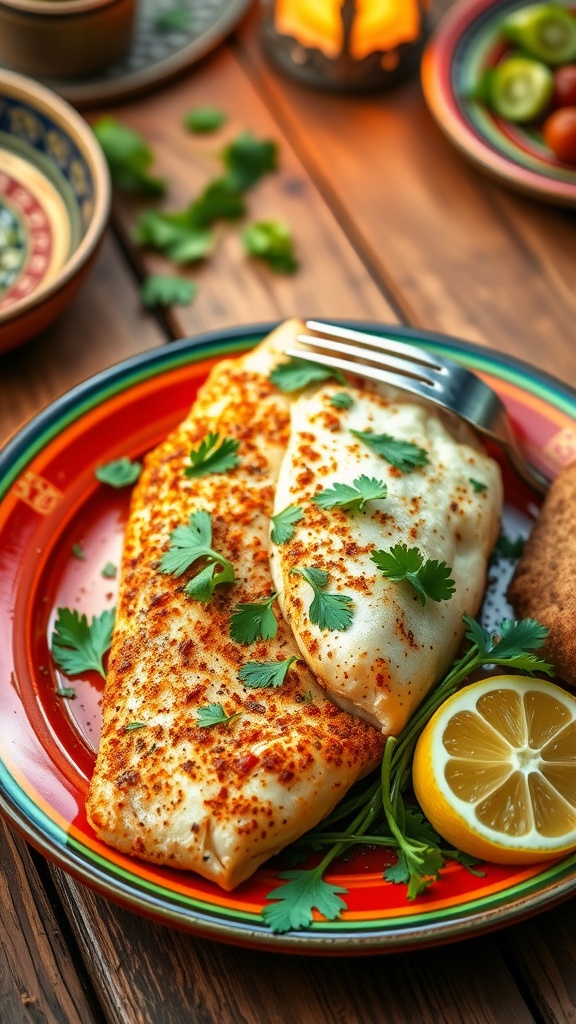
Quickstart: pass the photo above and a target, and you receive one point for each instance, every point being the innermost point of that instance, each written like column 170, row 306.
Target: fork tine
column 382, row 343
column 366, row 357
column 414, row 385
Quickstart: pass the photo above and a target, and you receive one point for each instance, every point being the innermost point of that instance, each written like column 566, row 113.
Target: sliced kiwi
column 545, row 31
column 520, row 88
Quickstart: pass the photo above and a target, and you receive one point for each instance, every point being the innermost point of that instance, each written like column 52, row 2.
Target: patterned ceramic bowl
column 64, row 38
column 54, row 204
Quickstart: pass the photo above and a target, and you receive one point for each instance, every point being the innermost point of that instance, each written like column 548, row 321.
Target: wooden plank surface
column 195, row 981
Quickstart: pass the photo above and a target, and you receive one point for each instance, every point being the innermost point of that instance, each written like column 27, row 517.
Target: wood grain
column 542, row 954
column 39, row 981
column 207, row 983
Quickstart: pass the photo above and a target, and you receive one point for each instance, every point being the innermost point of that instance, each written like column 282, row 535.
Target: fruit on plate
column 559, row 131
column 565, row 86
column 495, row 770
column 545, row 31
column 520, row 88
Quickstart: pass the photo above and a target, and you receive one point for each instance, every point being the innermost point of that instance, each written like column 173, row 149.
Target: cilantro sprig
column 403, row 455
column 188, row 544
column 254, row 621
column 271, row 241
column 351, row 496
column 213, row 455
column 119, row 473
column 328, row 611
column 128, row 156
column 296, row 373
column 378, row 814
column 78, row 645
column 167, row 290
column 429, row 578
column 283, row 524
column 259, row 675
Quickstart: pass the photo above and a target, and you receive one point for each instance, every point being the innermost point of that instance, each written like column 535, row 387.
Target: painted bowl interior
column 467, row 42
column 60, row 528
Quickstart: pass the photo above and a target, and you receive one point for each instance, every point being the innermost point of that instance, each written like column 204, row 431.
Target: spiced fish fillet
column 394, row 648
column 218, row 800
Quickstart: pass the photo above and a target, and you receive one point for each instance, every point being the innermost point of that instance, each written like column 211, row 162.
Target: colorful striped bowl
column 54, row 204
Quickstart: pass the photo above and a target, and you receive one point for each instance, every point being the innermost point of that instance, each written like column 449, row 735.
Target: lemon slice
column 495, row 770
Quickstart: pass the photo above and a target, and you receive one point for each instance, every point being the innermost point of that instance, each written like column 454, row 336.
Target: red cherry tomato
column 559, row 132
column 565, row 86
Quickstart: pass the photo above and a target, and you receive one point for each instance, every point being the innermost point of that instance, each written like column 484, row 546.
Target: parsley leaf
column 77, row 646
column 514, row 647
column 262, row 674
column 78, row 552
column 128, row 157
column 255, row 621
column 68, row 692
column 248, row 159
column 173, row 19
column 403, row 455
column 214, row 714
column 213, row 455
column 351, row 496
column 341, row 400
column 188, row 544
column 328, row 611
column 477, row 485
column 119, row 473
column 167, row 290
column 174, row 234
column 131, row 726
column 204, row 119
column 220, row 200
column 509, row 548
column 297, row 373
column 283, row 523
column 428, row 578
column 271, row 240
column 304, row 892
column 109, row 572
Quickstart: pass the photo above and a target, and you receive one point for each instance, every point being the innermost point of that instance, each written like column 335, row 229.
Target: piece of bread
column 544, row 584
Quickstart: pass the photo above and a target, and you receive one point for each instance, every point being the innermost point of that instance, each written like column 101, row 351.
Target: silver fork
column 421, row 373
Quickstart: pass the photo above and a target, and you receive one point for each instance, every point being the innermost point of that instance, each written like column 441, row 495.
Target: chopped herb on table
column 128, row 156
column 167, row 290
column 247, row 159
column 378, row 815
column 271, row 241
column 203, row 120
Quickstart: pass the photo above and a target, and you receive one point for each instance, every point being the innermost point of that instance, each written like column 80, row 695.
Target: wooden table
column 391, row 225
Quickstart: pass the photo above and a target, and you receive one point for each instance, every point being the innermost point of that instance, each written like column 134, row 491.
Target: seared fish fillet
column 393, row 651
column 217, row 800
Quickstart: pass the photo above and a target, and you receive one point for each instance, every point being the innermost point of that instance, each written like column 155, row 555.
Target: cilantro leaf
column 428, row 578
column 119, row 473
column 255, row 621
column 513, row 647
column 67, row 692
column 109, row 571
column 271, row 240
column 128, row 156
column 297, row 373
column 283, row 523
column 220, row 200
column 167, row 290
column 214, row 714
column 341, row 400
column 304, row 892
column 189, row 543
column 78, row 552
column 403, row 455
column 352, row 496
column 132, row 726
column 262, row 674
column 477, row 485
column 213, row 455
column 328, row 611
column 204, row 119
column 248, row 159
column 77, row 646
column 509, row 548
column 173, row 19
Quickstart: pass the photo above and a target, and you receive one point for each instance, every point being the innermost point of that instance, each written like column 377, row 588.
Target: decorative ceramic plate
column 60, row 528
column 467, row 42
column 159, row 50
